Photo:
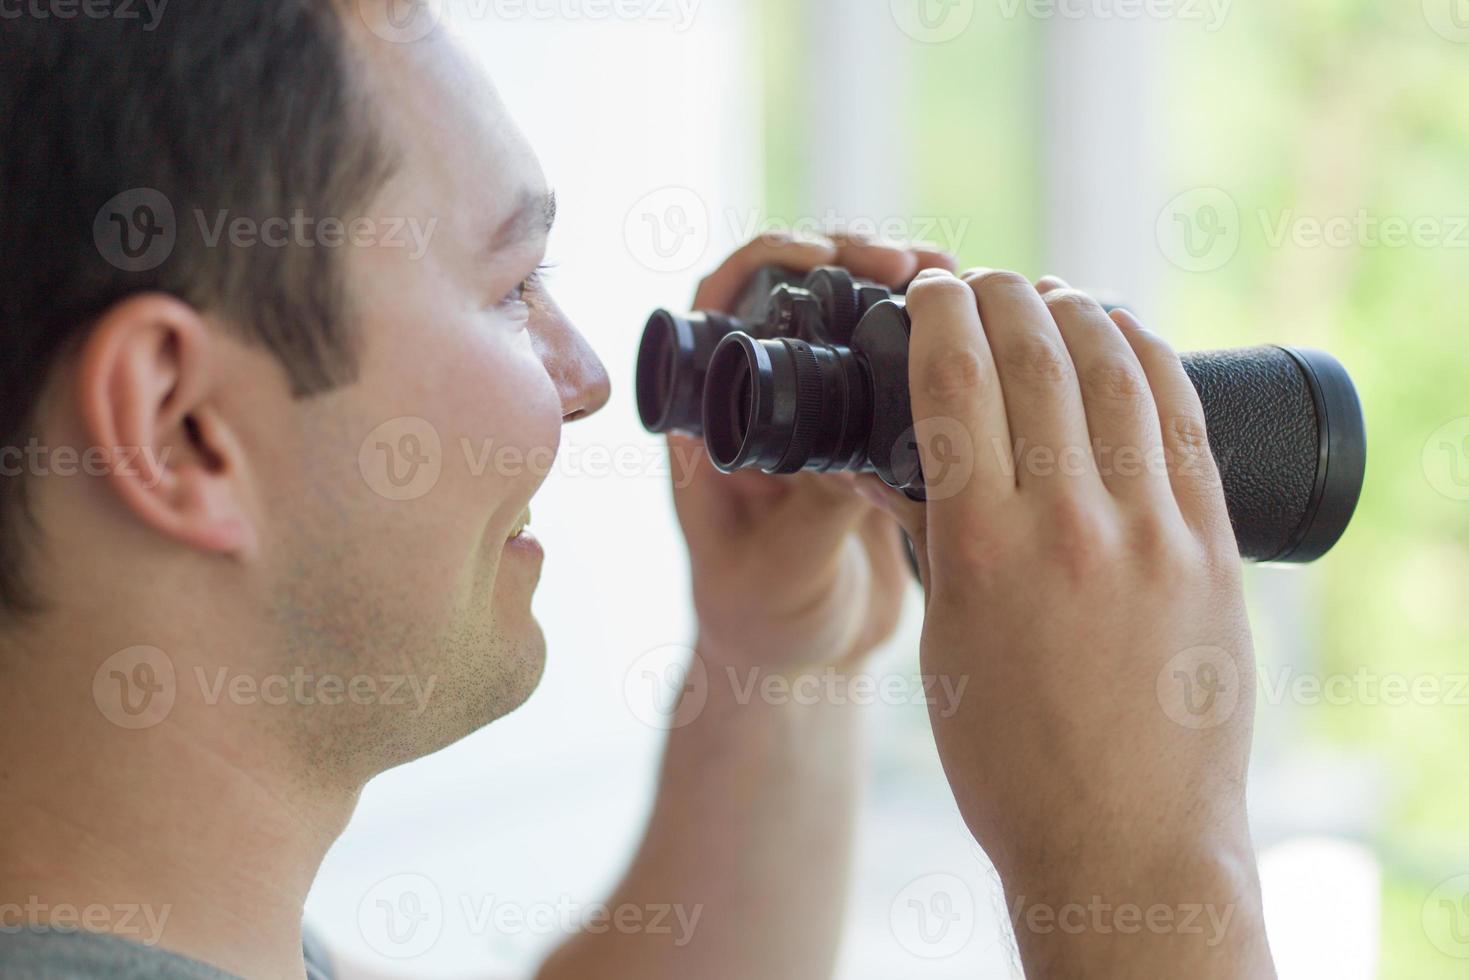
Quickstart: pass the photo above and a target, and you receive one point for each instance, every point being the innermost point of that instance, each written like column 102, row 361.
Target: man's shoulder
column 65, row 954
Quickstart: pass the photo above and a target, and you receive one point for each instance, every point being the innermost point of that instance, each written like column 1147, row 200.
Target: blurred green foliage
column 1316, row 110
column 1329, row 110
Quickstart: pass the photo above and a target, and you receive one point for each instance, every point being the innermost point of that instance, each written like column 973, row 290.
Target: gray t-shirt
column 57, row 954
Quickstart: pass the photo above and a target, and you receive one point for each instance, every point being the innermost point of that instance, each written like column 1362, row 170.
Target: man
column 226, row 394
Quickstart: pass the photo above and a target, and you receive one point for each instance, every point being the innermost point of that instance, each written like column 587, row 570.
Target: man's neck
column 186, row 834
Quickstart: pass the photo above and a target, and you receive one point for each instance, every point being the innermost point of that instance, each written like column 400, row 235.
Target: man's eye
column 527, row 287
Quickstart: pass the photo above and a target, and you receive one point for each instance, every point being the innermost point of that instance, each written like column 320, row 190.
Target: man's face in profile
column 394, row 548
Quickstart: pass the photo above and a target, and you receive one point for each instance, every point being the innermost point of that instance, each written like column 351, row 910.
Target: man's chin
column 472, row 688
column 506, row 677
column 529, row 668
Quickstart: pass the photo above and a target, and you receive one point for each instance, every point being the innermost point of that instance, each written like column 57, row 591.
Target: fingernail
column 933, row 273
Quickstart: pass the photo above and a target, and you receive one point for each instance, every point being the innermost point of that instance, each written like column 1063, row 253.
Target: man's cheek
column 512, row 438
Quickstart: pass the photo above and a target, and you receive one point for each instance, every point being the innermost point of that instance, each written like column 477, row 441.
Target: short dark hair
column 254, row 107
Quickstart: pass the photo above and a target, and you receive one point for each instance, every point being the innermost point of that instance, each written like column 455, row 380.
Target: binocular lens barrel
column 785, row 405
column 672, row 362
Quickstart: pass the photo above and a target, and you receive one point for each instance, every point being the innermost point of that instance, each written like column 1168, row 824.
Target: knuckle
column 1038, row 358
column 944, row 292
column 773, row 238
column 997, row 280
column 1065, row 302
column 953, row 370
column 1114, row 379
column 1188, row 437
column 974, row 555
column 1162, row 547
column 1079, row 536
column 1159, row 348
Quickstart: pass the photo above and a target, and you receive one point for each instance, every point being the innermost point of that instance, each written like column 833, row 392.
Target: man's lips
column 518, row 529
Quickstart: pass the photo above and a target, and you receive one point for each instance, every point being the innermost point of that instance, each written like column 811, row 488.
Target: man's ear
column 146, row 378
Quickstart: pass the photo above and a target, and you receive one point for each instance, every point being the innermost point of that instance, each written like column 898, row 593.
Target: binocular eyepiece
column 812, row 374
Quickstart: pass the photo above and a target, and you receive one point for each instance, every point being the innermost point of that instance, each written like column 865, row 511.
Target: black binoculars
column 811, row 373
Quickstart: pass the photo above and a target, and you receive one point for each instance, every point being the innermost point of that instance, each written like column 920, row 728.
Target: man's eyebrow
column 533, row 216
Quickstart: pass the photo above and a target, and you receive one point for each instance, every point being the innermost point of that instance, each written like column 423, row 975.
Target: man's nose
column 578, row 373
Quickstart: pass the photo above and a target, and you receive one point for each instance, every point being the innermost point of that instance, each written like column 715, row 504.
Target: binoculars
column 811, row 373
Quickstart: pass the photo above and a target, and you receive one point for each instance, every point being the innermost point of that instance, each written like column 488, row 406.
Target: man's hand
column 790, row 572
column 1092, row 596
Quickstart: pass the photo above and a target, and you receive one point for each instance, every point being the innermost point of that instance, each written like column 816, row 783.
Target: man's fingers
column 1121, row 416
column 865, row 259
column 892, row 264
column 1042, row 400
column 910, row 516
column 932, row 256
column 721, row 289
column 957, row 404
column 1191, row 469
